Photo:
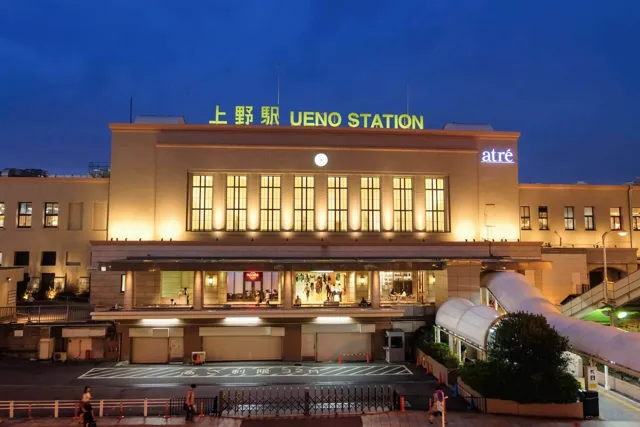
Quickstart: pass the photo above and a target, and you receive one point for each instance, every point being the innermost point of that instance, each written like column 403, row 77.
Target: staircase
column 620, row 292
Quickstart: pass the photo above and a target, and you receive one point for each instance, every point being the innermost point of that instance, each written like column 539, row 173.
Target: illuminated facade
column 285, row 243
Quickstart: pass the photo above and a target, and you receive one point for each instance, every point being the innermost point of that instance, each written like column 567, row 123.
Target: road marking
column 158, row 372
column 620, row 399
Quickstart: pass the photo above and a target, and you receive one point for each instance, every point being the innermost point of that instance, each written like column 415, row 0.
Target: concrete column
column 287, row 294
column 459, row 349
column 222, row 287
column 350, row 291
column 198, row 290
column 375, row 290
column 369, row 284
column 128, row 291
column 437, row 335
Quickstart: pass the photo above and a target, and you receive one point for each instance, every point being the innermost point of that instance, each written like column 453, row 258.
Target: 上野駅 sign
column 246, row 115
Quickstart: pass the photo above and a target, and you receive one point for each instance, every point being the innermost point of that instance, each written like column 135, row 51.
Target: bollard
column 201, row 409
column 368, row 358
column 340, row 359
column 417, row 360
column 166, row 411
column 56, row 407
column 75, row 412
column 401, row 403
column 145, row 408
column 121, row 411
column 440, row 378
column 29, row 417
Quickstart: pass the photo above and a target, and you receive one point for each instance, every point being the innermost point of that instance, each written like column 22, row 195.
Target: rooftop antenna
column 278, row 94
column 131, row 109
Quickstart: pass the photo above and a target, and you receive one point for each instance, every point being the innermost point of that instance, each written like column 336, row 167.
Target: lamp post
column 605, row 280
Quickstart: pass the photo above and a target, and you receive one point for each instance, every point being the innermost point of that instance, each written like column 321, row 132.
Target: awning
column 84, row 332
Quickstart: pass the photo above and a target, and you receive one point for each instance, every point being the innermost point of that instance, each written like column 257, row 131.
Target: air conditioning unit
column 60, row 356
column 198, row 357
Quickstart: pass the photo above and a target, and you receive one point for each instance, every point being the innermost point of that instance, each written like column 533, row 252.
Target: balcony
column 39, row 314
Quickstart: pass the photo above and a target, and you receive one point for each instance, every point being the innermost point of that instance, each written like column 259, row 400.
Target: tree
column 526, row 363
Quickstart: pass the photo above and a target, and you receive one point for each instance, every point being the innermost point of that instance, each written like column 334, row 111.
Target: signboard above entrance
column 246, row 115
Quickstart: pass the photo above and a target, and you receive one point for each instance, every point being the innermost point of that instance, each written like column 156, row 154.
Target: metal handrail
column 48, row 408
column 45, row 313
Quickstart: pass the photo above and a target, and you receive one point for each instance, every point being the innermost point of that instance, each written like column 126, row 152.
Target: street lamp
column 605, row 281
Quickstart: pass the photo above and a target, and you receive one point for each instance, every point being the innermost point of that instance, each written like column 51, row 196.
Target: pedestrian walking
column 190, row 403
column 437, row 407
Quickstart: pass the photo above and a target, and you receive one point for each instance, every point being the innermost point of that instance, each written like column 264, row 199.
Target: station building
column 298, row 243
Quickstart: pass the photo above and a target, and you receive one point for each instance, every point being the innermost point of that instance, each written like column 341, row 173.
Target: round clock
column 321, row 159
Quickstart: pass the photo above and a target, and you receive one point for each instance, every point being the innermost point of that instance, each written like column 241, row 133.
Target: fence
column 305, row 401
column 45, row 313
column 69, row 408
column 476, row 403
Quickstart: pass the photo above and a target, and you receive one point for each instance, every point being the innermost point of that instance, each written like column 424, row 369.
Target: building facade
column 293, row 243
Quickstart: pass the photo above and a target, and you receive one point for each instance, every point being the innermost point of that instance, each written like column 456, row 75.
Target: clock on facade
column 321, row 159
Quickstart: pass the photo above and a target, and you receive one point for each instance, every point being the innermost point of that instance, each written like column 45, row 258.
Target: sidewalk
column 391, row 419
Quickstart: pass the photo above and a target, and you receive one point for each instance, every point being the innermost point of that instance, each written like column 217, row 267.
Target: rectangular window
column 370, row 203
column 589, row 218
column 21, row 259
column 616, row 218
column 403, row 204
column 270, row 203
column 24, row 214
column 569, row 218
column 48, row 259
column 525, row 218
column 123, row 283
column 337, row 207
column 0, row 259
column 303, row 203
column 201, row 203
column 236, row 203
column 1, row 214
column 543, row 218
column 74, row 258
column 435, row 220
column 51, row 215
column 635, row 214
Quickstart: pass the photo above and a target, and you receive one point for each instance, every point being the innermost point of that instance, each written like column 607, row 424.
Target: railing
column 265, row 401
column 45, row 314
column 476, row 403
column 305, row 401
column 70, row 408
column 620, row 292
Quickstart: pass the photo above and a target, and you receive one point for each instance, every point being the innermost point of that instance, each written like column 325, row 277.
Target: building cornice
column 156, row 128
column 574, row 186
column 66, row 179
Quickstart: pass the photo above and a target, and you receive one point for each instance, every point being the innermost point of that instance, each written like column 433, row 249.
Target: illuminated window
column 25, row 212
column 543, row 218
column 270, row 203
column 303, row 203
column 616, row 218
column 202, row 203
column 370, row 203
column 435, row 220
column 1, row 214
column 402, row 204
column 51, row 215
column 589, row 218
column 525, row 218
column 337, row 191
column 236, row 203
column 569, row 218
column 123, row 283
column 635, row 215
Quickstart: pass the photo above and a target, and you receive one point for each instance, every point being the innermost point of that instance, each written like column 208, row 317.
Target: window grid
column 236, row 203
column 435, row 220
column 615, row 218
column 370, row 203
column 51, row 215
column 337, row 206
column 403, row 204
column 589, row 218
column 202, row 203
column 1, row 214
column 303, row 203
column 270, row 203
column 569, row 218
column 525, row 218
column 25, row 212
column 635, row 214
column 543, row 218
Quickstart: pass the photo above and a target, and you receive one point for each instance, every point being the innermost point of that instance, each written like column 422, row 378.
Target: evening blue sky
column 564, row 73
